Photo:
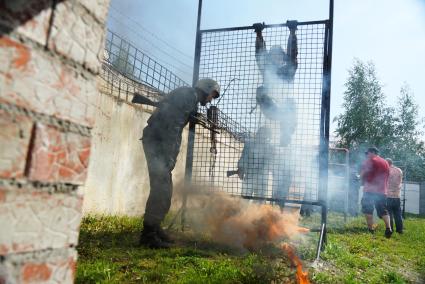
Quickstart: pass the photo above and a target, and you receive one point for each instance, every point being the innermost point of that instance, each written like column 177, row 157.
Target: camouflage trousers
column 160, row 164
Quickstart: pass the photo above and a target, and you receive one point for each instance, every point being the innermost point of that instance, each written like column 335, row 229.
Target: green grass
column 355, row 256
column 108, row 253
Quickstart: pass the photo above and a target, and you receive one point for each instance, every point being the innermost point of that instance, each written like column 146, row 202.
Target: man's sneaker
column 388, row 233
column 163, row 235
column 151, row 240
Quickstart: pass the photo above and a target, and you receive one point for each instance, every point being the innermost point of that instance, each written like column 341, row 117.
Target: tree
column 366, row 120
column 409, row 149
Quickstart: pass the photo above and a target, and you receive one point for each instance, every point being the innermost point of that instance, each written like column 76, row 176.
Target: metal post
column 191, row 136
column 324, row 123
column 322, row 237
column 347, row 190
column 404, row 192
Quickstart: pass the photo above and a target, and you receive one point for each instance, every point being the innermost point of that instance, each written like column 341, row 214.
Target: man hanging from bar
column 277, row 66
column 161, row 143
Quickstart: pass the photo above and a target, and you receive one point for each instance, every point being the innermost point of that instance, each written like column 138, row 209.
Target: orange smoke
column 302, row 277
column 239, row 223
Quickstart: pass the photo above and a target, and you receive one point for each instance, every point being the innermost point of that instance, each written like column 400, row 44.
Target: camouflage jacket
column 166, row 124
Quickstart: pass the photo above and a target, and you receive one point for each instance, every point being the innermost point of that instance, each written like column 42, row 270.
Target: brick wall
column 49, row 59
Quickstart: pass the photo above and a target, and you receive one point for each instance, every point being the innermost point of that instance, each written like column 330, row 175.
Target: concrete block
column 77, row 35
column 99, row 8
column 27, row 17
column 58, row 156
column 33, row 79
column 34, row 220
column 56, row 266
column 15, row 137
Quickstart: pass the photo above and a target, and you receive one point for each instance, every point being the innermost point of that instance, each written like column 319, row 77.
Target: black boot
column 149, row 238
column 388, row 233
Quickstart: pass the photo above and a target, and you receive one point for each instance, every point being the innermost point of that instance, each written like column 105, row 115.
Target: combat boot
column 149, row 238
column 388, row 233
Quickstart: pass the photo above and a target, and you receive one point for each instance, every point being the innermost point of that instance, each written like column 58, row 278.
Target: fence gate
column 284, row 152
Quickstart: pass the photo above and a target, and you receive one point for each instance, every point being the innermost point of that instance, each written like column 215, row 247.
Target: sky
column 390, row 33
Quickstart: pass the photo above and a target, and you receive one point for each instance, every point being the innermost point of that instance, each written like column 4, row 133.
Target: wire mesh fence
column 113, row 83
column 267, row 145
column 134, row 64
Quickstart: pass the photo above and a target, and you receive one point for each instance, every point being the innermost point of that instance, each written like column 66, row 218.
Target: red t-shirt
column 375, row 175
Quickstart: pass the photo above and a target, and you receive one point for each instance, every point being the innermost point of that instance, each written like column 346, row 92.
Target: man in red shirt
column 374, row 174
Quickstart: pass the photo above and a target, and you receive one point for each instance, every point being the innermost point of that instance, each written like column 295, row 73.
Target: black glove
column 292, row 25
column 258, row 27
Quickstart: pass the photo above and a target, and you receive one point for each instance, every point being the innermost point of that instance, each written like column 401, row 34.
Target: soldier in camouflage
column 161, row 143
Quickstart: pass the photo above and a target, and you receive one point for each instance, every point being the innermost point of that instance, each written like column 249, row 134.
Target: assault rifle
column 232, row 173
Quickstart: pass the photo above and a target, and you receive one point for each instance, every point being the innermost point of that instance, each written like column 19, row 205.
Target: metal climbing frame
column 278, row 167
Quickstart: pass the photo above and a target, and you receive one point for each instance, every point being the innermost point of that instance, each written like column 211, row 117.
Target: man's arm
column 260, row 47
column 291, row 50
column 400, row 177
column 365, row 170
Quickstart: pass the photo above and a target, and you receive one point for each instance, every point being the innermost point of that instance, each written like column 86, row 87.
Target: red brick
column 22, row 55
column 35, row 272
column 55, row 266
column 15, row 137
column 35, row 220
column 29, row 18
column 56, row 156
column 33, row 79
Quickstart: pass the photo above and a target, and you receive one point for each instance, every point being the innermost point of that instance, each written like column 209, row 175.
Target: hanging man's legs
column 281, row 182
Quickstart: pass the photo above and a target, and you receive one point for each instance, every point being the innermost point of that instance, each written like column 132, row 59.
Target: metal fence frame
column 324, row 115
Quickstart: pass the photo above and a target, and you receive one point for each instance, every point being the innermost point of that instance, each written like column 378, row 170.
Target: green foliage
column 368, row 121
column 363, row 121
column 408, row 147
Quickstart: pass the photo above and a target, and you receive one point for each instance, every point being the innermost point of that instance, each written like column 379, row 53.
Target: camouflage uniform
column 161, row 143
